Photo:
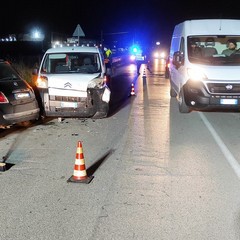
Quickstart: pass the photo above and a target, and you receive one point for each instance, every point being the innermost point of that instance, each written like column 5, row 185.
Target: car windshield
column 214, row 50
column 68, row 63
column 7, row 72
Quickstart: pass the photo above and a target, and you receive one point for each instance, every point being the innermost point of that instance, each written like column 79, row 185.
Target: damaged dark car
column 18, row 103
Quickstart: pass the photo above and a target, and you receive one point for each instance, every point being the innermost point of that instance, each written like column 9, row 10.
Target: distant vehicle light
column 159, row 54
column 156, row 55
column 162, row 55
column 132, row 57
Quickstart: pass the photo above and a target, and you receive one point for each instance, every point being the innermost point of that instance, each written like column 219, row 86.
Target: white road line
column 228, row 155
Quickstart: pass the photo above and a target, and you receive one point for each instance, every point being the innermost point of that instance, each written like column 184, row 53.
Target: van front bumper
column 95, row 104
column 212, row 94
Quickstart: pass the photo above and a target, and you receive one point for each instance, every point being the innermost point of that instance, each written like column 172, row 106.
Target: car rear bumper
column 12, row 118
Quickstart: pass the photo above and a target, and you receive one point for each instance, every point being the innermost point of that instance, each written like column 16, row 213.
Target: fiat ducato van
column 202, row 75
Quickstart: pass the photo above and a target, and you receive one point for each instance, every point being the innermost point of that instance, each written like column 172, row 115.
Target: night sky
column 150, row 19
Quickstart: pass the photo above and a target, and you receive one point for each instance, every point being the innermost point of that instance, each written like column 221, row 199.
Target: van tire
column 172, row 92
column 166, row 74
column 183, row 108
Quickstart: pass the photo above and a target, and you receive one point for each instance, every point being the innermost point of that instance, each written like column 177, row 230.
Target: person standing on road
column 107, row 60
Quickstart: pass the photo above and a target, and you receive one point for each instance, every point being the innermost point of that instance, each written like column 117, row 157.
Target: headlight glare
column 195, row 74
column 42, row 82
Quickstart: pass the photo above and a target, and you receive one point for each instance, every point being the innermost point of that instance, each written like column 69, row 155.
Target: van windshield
column 68, row 63
column 214, row 50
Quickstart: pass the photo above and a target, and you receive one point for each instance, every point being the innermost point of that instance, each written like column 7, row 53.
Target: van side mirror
column 178, row 59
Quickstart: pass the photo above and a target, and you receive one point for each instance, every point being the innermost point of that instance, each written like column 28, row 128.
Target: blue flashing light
column 135, row 49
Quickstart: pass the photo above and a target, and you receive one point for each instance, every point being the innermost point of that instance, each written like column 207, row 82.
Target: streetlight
column 38, row 36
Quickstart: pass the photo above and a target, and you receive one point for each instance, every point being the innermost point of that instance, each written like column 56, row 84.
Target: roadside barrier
column 79, row 172
column 144, row 77
column 144, row 72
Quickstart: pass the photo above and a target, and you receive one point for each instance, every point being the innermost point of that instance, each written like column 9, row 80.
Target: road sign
column 78, row 32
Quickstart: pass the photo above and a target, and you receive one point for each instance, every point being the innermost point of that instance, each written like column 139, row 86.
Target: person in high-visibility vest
column 107, row 55
column 108, row 52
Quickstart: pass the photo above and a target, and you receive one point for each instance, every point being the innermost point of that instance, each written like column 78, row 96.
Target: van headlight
column 196, row 74
column 42, row 82
column 97, row 82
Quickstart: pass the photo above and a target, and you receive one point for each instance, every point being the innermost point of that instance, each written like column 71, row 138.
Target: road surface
column 157, row 173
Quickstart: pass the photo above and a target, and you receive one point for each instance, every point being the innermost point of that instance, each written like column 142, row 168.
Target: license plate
column 68, row 104
column 22, row 95
column 229, row 101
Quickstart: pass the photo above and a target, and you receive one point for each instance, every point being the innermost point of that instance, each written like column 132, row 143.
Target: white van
column 208, row 79
column 72, row 82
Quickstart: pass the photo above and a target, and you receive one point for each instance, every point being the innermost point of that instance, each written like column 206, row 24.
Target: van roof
column 73, row 49
column 209, row 26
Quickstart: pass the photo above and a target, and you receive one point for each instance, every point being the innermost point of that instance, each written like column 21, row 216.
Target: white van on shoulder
column 206, row 77
column 72, row 82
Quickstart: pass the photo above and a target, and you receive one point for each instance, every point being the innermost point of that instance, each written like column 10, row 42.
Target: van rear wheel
column 183, row 108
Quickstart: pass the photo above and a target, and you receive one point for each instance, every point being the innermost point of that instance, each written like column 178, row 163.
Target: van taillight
column 3, row 98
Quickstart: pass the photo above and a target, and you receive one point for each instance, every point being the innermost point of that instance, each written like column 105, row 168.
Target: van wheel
column 166, row 74
column 183, row 108
column 172, row 92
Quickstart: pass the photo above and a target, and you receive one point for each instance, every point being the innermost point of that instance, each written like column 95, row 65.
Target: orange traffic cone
column 80, row 173
column 2, row 167
column 132, row 90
